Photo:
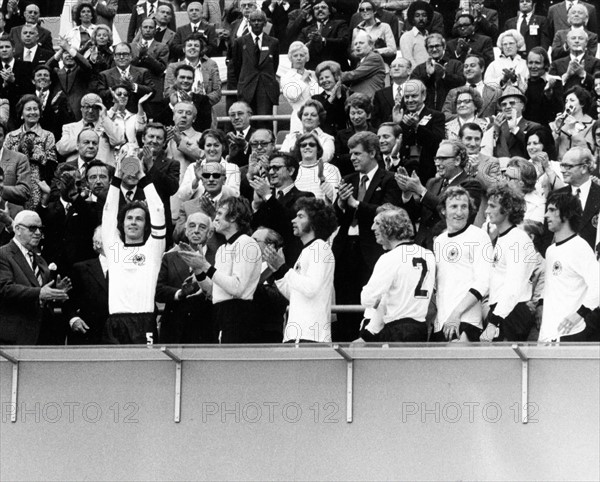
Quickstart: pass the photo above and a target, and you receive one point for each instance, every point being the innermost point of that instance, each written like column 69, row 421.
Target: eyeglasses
column 32, row 228
column 568, row 167
column 436, row 46
column 260, row 143
column 365, row 9
column 121, row 94
column 463, row 101
column 275, row 168
column 320, row 7
column 308, row 144
column 122, row 54
column 214, row 175
column 90, row 107
column 443, row 158
column 463, row 25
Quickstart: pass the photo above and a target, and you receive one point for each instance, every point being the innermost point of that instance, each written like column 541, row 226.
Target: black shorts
column 473, row 333
column 130, row 329
column 404, row 330
column 234, row 319
column 517, row 325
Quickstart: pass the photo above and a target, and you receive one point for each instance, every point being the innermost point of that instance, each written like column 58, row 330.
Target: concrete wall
column 451, row 418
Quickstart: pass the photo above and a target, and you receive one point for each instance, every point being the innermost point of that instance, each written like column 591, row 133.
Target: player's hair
column 272, row 237
column 511, row 202
column 218, row 135
column 475, row 95
column 471, row 126
column 453, row 192
column 460, row 151
column 319, row 108
column 359, row 101
column 308, row 135
column 527, row 173
column 396, row 224
column 368, row 140
column 238, row 212
column 130, row 206
column 569, row 207
column 289, row 161
column 321, row 216
column 396, row 129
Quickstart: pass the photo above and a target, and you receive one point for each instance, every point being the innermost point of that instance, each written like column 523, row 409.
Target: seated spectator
column 387, row 98
column 315, row 175
column 412, row 42
column 309, row 286
column 379, row 31
column 148, row 9
column 510, row 67
column 521, row 175
column 468, row 42
column 312, row 114
column 333, row 98
column 573, row 127
column 579, row 67
column 80, row 37
column 262, row 146
column 576, row 18
column 439, row 73
column 369, row 75
column 36, row 143
column 468, row 107
column 298, row 84
column 31, row 15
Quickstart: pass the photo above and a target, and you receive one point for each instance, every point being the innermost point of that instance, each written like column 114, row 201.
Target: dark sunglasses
column 214, row 175
column 308, row 144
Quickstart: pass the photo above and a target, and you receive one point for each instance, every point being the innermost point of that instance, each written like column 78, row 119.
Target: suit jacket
column 88, row 300
column 74, row 84
column 185, row 31
column 420, row 143
column 21, row 315
column 540, row 39
column 41, row 56
column 478, row 44
column 382, row 189
column 111, row 77
column 557, row 18
column 560, row 40
column 383, row 106
column 337, row 38
column 17, row 181
column 55, row 115
column 336, row 117
column 155, row 61
column 67, row 145
column 167, row 37
column 590, row 65
column 438, row 86
column 252, row 75
column 13, row 91
column 509, row 144
column 487, row 23
column 490, row 98
column 106, row 11
column 44, row 39
column 277, row 214
column 368, row 76
column 190, row 207
column 589, row 221
column 139, row 14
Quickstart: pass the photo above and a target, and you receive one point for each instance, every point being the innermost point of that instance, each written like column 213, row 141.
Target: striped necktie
column 36, row 269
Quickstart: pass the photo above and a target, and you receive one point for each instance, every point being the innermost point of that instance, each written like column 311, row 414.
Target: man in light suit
column 369, row 75
column 558, row 17
column 385, row 99
column 138, row 79
column 140, row 12
column 26, row 287
column 473, row 68
column 197, row 25
column 255, row 58
column 360, row 194
column 535, row 30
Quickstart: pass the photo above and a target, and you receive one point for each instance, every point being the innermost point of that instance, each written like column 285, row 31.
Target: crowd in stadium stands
column 440, row 170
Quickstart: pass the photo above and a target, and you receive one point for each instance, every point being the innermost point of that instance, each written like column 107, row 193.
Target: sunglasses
column 214, row 175
column 308, row 144
column 275, row 168
column 365, row 9
column 32, row 229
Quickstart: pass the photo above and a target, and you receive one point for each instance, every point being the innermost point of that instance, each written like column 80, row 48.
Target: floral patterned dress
column 38, row 145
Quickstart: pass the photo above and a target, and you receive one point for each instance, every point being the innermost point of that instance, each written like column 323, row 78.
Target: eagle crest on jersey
column 453, row 254
column 556, row 268
column 139, row 259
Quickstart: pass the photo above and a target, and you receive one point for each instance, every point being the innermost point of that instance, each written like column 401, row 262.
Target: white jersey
column 402, row 282
column 571, row 282
column 133, row 270
column 513, row 261
column 309, row 287
column 462, row 267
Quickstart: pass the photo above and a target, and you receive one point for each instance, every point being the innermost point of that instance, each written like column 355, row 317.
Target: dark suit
column 509, row 144
column 75, row 83
column 368, row 76
column 139, row 14
column 420, row 143
column 589, row 221
column 336, row 117
column 438, row 85
column 241, row 157
column 44, row 38
column 155, row 60
column 542, row 106
column 383, row 105
column 165, row 36
column 277, row 214
column 112, row 77
column 21, row 316
column 560, row 40
column 337, row 38
column 88, row 300
column 41, row 56
column 490, row 102
column 590, row 65
column 540, row 39
column 55, row 115
column 557, row 18
column 188, row 320
column 68, row 235
column 478, row 44
column 357, row 255
column 13, row 91
column 185, row 31
column 255, row 77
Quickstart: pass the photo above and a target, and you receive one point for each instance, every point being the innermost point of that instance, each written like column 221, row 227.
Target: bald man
column 369, row 75
column 26, row 286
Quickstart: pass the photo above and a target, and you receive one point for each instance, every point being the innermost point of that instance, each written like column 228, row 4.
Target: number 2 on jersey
column 420, row 293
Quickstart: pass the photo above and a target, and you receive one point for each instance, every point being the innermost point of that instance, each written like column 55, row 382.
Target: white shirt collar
column 124, row 191
column 103, row 263
column 23, row 249
column 585, row 190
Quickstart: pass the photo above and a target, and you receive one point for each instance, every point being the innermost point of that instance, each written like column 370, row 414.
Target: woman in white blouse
column 509, row 67
column 312, row 114
column 127, row 123
column 298, row 84
column 380, row 32
column 314, row 175
column 85, row 18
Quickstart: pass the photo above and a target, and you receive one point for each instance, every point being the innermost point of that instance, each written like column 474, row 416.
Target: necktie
column 195, row 28
column 129, row 195
column 523, row 28
column 151, row 11
column 257, row 48
column 444, row 185
column 123, row 74
column 279, row 194
column 27, row 57
column 6, row 66
column 398, row 98
column 89, row 125
column 36, row 269
column 569, row 5
column 578, row 196
column 388, row 162
column 245, row 30
column 362, row 190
